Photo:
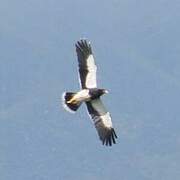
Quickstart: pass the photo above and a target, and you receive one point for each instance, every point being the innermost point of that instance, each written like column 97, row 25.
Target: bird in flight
column 90, row 94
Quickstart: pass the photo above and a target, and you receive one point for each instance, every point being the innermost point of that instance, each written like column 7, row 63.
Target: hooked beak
column 106, row 91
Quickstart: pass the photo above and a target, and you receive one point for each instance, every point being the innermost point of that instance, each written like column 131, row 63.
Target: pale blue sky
column 137, row 50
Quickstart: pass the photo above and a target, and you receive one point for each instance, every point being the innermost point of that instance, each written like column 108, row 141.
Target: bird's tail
column 69, row 103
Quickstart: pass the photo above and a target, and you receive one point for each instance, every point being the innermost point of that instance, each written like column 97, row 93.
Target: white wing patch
column 105, row 119
column 105, row 130
column 91, row 76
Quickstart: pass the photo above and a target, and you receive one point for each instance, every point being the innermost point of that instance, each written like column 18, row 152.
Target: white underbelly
column 82, row 95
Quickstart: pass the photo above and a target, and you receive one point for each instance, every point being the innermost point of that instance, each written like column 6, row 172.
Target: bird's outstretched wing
column 87, row 67
column 102, row 121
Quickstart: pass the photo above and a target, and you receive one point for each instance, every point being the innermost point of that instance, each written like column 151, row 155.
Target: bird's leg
column 73, row 101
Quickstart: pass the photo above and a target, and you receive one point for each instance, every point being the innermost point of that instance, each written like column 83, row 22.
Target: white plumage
column 91, row 76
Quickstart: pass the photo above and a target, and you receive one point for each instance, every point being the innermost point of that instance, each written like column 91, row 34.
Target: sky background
column 137, row 51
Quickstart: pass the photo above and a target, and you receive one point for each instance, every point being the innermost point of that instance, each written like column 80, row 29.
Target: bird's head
column 96, row 93
column 104, row 91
